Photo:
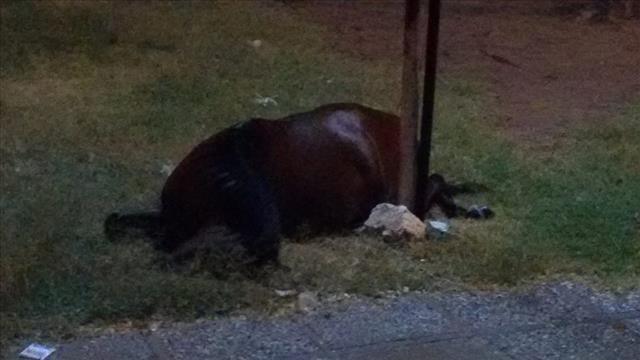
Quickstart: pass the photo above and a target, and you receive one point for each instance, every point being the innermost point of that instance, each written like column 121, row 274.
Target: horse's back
column 330, row 166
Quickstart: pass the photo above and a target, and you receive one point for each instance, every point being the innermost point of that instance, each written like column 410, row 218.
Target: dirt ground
column 548, row 67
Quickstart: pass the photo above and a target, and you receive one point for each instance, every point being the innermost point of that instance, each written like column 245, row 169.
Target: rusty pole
column 426, row 126
column 409, row 106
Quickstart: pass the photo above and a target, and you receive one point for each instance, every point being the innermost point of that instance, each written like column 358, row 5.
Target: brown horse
column 327, row 167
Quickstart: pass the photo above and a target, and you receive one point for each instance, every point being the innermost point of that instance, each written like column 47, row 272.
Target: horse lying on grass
column 261, row 178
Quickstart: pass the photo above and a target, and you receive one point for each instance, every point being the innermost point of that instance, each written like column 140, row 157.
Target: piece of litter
column 265, row 100
column 285, row 293
column 37, row 351
column 441, row 226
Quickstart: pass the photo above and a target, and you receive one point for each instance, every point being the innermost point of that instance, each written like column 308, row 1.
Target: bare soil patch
column 549, row 70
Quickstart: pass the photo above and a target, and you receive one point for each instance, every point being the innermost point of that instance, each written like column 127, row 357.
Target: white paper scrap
column 37, row 352
column 265, row 100
column 439, row 225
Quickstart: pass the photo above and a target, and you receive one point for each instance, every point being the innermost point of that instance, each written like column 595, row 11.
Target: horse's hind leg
column 250, row 213
column 251, row 210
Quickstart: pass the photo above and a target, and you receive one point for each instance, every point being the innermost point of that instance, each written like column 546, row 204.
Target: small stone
column 307, row 301
column 154, row 326
column 586, row 15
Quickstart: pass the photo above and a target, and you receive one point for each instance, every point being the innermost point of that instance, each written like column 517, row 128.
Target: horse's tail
column 118, row 226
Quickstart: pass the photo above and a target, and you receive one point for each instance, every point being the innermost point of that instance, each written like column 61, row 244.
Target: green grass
column 569, row 209
column 87, row 126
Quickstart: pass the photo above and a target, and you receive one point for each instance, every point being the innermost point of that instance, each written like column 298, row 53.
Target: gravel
column 560, row 320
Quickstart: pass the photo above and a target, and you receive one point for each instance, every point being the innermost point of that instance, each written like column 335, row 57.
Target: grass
column 569, row 209
column 87, row 126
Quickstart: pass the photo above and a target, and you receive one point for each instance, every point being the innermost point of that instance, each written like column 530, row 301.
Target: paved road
column 553, row 321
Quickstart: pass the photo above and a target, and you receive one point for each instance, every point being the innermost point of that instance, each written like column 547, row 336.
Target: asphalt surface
column 561, row 320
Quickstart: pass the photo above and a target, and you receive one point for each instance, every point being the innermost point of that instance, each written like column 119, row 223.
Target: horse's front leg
column 440, row 193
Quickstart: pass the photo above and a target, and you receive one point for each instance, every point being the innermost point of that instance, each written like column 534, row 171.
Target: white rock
column 307, row 301
column 154, row 326
column 395, row 221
